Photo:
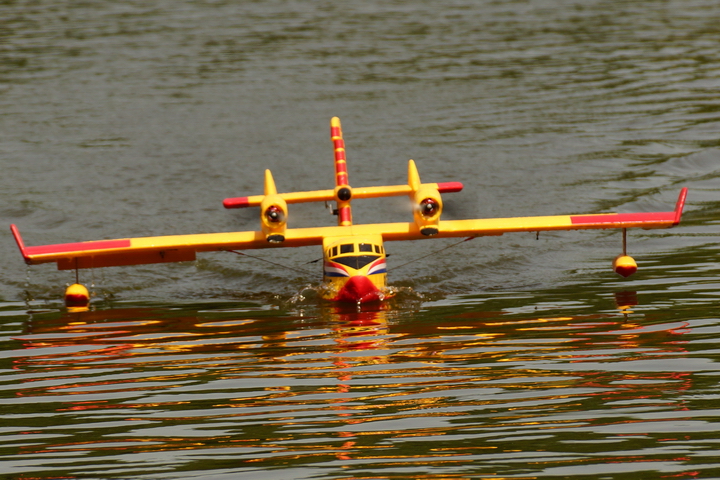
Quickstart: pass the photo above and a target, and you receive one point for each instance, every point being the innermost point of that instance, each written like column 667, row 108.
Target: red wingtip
column 20, row 243
column 680, row 205
column 449, row 187
column 238, row 202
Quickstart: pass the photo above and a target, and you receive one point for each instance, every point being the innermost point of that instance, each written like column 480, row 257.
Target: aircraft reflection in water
column 252, row 382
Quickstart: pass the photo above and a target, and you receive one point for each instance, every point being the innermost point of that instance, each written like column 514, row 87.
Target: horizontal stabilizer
column 329, row 195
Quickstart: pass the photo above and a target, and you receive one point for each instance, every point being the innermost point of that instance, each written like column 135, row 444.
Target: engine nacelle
column 427, row 207
column 273, row 218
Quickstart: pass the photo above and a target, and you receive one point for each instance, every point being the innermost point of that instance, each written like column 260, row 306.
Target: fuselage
column 354, row 269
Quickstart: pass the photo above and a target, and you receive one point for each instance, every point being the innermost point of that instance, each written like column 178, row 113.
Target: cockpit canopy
column 356, row 261
column 355, row 255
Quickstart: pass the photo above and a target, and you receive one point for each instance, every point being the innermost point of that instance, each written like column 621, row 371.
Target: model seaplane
column 354, row 259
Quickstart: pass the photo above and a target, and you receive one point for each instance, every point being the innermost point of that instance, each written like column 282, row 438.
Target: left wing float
column 354, row 268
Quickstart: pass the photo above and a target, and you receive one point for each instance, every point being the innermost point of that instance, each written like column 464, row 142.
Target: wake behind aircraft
column 354, row 258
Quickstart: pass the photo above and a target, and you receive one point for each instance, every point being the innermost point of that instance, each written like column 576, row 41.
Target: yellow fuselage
column 354, row 269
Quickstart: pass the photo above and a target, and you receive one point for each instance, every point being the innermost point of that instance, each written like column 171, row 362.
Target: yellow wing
column 179, row 248
column 147, row 250
column 499, row 226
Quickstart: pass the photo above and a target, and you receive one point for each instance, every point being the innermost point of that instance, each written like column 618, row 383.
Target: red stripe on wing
column 77, row 247
column 613, row 218
column 672, row 218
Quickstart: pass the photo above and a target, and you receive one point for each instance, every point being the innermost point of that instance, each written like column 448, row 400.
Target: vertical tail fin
column 343, row 191
column 269, row 184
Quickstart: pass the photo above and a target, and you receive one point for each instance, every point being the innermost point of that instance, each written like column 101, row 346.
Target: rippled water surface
column 503, row 357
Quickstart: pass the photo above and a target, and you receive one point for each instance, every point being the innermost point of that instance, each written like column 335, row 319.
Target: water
column 510, row 356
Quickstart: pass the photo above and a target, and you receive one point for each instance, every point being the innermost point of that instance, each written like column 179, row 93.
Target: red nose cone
column 359, row 289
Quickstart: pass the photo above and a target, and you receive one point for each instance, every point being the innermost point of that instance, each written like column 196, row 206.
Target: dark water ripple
column 531, row 389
